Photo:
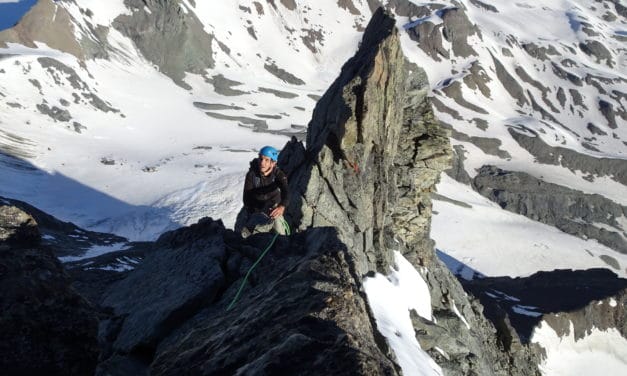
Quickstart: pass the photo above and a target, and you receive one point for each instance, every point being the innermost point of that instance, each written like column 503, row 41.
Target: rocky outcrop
column 17, row 227
column 601, row 314
column 46, row 22
column 354, row 145
column 531, row 141
column 593, row 298
column 302, row 314
column 356, row 162
column 156, row 26
column 146, row 317
column 63, row 238
column 574, row 212
column 45, row 326
column 50, row 22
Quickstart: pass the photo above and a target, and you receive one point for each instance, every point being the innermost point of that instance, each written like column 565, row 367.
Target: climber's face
column 266, row 165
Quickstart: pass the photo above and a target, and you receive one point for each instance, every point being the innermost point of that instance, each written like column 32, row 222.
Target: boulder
column 46, row 327
column 17, row 228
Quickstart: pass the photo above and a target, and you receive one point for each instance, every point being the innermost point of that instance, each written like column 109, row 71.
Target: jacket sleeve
column 248, row 187
column 285, row 192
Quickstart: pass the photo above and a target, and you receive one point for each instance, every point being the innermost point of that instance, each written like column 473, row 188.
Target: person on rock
column 266, row 196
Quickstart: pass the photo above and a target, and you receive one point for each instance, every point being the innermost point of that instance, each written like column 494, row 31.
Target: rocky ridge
column 561, row 298
column 306, row 305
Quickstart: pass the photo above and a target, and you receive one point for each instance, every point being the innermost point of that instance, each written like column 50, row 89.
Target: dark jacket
column 262, row 193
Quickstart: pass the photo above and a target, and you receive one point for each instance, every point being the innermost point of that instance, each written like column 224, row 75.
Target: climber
column 265, row 196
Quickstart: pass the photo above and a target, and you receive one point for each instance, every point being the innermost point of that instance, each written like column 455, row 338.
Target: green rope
column 250, row 270
column 286, row 226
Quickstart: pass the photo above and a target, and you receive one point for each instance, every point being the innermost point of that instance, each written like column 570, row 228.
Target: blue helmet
column 270, row 152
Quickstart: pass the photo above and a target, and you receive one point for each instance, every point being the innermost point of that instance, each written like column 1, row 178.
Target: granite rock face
column 358, row 173
column 46, row 327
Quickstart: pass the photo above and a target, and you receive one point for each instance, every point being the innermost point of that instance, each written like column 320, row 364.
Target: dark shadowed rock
column 491, row 146
column 566, row 75
column 46, row 328
column 183, row 272
column 607, row 109
column 216, row 106
column 509, row 83
column 457, row 170
column 56, row 113
column 429, row 38
column 595, row 130
column 454, row 91
column 540, row 52
column 485, row 6
column 607, row 311
column 283, row 75
column 478, row 79
column 582, row 298
column 224, row 86
column 256, row 124
column 302, row 314
column 278, row 93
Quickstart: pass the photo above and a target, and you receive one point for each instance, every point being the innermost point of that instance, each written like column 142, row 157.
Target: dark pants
column 252, row 223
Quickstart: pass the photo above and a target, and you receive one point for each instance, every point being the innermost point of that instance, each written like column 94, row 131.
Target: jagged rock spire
column 368, row 144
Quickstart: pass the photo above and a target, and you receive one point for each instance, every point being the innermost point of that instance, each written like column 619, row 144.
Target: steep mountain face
column 157, row 26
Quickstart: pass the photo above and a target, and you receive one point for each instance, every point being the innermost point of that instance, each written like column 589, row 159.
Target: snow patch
column 96, row 250
column 526, row 310
column 461, row 317
column 598, row 353
column 482, row 238
column 390, row 299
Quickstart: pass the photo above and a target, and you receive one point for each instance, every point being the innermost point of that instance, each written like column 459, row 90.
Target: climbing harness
column 241, row 287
